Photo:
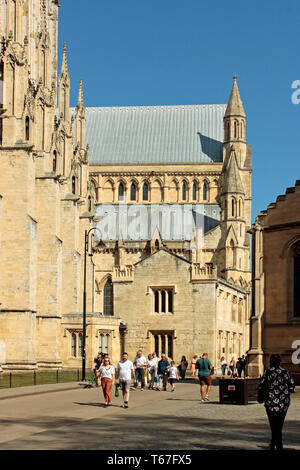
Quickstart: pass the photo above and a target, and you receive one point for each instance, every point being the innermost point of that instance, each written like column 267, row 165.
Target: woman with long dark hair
column 274, row 391
column 183, row 367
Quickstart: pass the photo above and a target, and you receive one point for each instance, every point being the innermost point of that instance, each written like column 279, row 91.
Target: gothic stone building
column 275, row 319
column 168, row 189
column 177, row 291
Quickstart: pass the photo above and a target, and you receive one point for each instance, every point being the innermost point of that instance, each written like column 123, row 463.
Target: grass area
column 26, row 379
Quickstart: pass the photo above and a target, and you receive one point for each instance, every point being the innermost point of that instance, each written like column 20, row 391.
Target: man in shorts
column 204, row 367
column 124, row 373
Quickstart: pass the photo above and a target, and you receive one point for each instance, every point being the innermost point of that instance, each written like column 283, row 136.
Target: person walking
column 173, row 375
column 239, row 366
column 231, row 367
column 274, row 391
column 107, row 376
column 243, row 365
column 193, row 366
column 163, row 365
column 140, row 364
column 183, row 367
column 204, row 367
column 124, row 372
column 151, row 367
column 96, row 367
column 223, row 364
column 156, row 380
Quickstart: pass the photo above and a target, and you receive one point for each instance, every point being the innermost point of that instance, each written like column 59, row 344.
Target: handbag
column 117, row 390
column 261, row 395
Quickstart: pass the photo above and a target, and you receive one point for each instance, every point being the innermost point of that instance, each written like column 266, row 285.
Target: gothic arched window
column 121, row 192
column 184, row 192
column 145, row 192
column 27, row 128
column 194, row 192
column 73, row 345
column 205, row 192
column 108, row 299
column 297, row 281
column 232, row 207
column 133, row 192
column 73, row 185
column 54, row 161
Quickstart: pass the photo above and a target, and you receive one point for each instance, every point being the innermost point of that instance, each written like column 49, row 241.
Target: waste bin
column 239, row 391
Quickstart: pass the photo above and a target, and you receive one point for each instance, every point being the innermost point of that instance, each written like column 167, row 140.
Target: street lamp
column 86, row 249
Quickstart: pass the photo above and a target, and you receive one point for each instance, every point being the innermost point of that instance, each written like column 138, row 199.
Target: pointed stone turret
column 235, row 105
column 80, row 119
column 64, row 88
column 231, row 178
column 80, row 95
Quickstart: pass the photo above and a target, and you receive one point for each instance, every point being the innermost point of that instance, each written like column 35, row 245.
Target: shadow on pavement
column 129, row 431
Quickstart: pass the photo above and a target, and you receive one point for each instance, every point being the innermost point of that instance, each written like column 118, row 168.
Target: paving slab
column 77, row 420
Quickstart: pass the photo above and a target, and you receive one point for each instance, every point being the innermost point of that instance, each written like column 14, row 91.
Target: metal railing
column 31, row 378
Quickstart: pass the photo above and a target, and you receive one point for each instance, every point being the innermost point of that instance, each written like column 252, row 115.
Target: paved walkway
column 74, row 418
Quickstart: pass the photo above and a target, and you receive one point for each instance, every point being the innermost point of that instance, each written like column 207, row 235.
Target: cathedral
column 163, row 192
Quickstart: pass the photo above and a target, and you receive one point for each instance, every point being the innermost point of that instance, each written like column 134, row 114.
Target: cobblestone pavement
column 77, row 420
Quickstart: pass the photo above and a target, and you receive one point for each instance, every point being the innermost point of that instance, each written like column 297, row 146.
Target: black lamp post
column 86, row 249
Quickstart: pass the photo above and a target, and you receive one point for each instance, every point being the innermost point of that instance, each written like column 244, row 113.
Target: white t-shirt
column 152, row 365
column 156, row 360
column 139, row 361
column 172, row 372
column 107, row 373
column 125, row 368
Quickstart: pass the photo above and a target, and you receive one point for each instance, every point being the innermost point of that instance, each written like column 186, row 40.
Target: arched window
column 27, row 128
column 170, row 298
column 205, row 192
column 121, row 192
column 133, row 192
column 90, row 204
column 73, row 185
column 108, row 299
column 232, row 207
column 156, row 301
column 184, row 192
column 170, row 346
column 235, row 129
column 240, row 208
column 194, row 192
column 297, row 281
column 231, row 261
column 145, row 192
column 80, row 344
column 163, row 301
column 73, row 345
column 54, row 161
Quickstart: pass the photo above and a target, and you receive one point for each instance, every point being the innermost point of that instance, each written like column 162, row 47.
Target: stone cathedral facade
column 167, row 189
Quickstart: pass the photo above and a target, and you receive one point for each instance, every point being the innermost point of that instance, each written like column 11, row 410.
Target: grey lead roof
column 155, row 134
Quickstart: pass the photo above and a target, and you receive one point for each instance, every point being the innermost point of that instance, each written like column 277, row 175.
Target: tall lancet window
column 205, row 192
column 184, row 192
column 145, row 192
column 194, row 192
column 73, row 185
column 108, row 298
column 133, row 192
column 121, row 192
column 27, row 128
column 297, row 281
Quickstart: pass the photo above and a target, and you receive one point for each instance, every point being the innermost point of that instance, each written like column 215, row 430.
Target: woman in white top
column 107, row 375
column 151, row 365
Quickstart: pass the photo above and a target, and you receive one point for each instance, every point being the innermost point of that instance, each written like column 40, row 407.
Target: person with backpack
column 205, row 368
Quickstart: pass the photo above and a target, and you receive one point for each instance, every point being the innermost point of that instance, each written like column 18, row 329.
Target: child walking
column 173, row 375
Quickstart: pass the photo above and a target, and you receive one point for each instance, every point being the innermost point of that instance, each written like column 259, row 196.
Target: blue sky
column 159, row 52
